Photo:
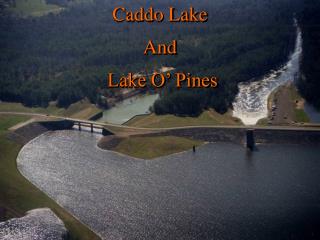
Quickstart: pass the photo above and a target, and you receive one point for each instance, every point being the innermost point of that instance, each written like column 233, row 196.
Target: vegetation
column 209, row 117
column 7, row 121
column 152, row 147
column 301, row 116
column 66, row 57
column 82, row 109
column 34, row 7
column 288, row 103
column 17, row 195
column 308, row 84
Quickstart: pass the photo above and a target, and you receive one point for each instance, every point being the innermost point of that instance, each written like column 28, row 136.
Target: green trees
column 236, row 53
column 309, row 84
column 182, row 103
column 66, row 57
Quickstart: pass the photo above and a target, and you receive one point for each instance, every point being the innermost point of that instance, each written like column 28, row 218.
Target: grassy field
column 299, row 113
column 209, row 117
column 34, row 8
column 18, row 195
column 295, row 104
column 301, row 116
column 82, row 109
column 152, row 147
column 7, row 121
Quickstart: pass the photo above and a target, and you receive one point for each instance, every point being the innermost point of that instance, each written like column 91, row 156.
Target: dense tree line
column 309, row 82
column 235, row 53
column 66, row 57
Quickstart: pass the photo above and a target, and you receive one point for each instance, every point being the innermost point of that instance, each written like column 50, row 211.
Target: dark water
column 220, row 192
column 313, row 114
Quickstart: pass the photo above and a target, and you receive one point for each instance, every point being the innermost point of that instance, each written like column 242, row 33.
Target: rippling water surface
column 129, row 108
column 38, row 224
column 220, row 192
column 251, row 103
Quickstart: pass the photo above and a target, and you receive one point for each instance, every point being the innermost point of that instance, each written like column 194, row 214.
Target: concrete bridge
column 92, row 126
column 249, row 135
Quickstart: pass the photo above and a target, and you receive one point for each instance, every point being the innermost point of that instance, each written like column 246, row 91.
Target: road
column 304, row 127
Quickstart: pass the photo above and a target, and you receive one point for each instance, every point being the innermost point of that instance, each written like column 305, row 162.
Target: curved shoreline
column 111, row 191
column 43, row 190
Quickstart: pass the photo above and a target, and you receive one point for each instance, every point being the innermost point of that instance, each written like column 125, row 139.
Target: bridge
column 304, row 127
column 86, row 124
column 234, row 133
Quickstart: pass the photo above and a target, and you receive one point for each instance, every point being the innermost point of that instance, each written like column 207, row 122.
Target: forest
column 66, row 57
column 309, row 82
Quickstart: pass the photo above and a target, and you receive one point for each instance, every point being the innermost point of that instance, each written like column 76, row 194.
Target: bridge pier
column 79, row 125
column 250, row 139
column 91, row 125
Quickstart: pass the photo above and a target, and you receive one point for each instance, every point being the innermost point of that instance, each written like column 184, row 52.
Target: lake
column 220, row 192
column 128, row 108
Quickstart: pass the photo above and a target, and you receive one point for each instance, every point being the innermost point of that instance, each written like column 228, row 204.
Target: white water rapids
column 251, row 103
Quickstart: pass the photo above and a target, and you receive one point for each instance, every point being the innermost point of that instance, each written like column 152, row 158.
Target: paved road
column 304, row 127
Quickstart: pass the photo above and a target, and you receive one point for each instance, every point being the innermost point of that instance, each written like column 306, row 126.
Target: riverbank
column 148, row 147
column 276, row 135
column 81, row 110
column 285, row 107
column 122, row 197
column 251, row 102
column 127, row 109
column 18, row 195
column 167, row 141
column 26, row 133
column 209, row 117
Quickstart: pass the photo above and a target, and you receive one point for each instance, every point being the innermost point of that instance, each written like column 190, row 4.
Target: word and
column 161, row 49
column 159, row 80
column 121, row 14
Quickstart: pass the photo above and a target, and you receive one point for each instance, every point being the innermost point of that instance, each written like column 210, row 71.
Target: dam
column 207, row 195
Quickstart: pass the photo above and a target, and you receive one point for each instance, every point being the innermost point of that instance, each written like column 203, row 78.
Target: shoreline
column 20, row 195
column 285, row 107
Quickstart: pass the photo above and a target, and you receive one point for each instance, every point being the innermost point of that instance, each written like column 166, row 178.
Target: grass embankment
column 266, row 121
column 35, row 8
column 82, row 109
column 209, row 117
column 290, row 107
column 18, row 195
column 299, row 113
column 153, row 147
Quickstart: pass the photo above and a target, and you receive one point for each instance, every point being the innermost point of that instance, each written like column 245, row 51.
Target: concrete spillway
column 251, row 103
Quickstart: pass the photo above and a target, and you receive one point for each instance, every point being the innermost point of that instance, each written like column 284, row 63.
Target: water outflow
column 38, row 224
column 251, row 103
